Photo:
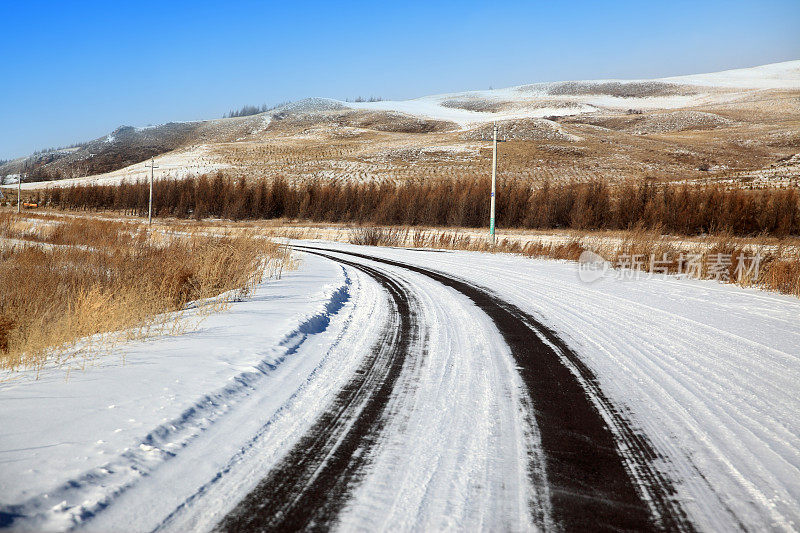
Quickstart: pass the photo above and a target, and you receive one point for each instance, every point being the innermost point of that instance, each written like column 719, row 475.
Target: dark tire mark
column 591, row 481
column 308, row 488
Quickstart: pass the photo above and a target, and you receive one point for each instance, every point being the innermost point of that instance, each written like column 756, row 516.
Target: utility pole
column 19, row 193
column 494, row 186
column 152, row 166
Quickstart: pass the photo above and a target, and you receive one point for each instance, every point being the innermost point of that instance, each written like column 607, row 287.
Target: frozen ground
column 184, row 431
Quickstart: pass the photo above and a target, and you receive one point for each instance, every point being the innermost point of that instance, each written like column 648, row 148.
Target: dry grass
column 749, row 135
column 779, row 268
column 79, row 282
column 373, row 236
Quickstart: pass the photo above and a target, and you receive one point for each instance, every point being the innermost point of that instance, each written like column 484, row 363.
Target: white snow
column 174, row 434
column 309, row 105
column 784, row 75
column 457, row 451
column 541, row 104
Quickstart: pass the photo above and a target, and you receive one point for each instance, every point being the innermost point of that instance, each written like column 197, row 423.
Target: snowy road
column 580, row 477
column 399, row 389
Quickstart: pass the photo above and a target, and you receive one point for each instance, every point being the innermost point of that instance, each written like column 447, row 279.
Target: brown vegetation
column 66, row 282
column 683, row 209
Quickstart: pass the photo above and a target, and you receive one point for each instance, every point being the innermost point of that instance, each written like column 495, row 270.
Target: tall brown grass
column 375, row 236
column 72, row 282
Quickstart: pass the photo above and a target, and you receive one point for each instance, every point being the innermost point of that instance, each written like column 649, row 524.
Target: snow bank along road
column 414, row 390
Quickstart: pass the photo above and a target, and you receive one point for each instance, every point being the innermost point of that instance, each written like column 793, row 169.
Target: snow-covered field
column 171, row 433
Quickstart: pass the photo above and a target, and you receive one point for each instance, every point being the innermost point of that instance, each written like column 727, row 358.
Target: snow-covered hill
column 785, row 75
column 575, row 97
column 723, row 101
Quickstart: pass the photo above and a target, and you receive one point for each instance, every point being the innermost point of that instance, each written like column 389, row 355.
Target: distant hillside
column 122, row 147
column 740, row 125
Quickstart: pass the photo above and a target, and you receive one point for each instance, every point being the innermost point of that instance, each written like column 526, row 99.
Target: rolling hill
column 740, row 127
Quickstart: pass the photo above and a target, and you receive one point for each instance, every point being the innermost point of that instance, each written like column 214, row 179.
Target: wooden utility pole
column 152, row 166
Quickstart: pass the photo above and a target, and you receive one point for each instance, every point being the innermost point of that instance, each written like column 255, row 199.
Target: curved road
column 538, row 445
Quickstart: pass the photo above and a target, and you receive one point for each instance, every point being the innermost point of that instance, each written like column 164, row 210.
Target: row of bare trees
column 460, row 203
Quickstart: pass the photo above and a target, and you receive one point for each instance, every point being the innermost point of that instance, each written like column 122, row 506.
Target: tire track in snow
column 309, row 487
column 599, row 469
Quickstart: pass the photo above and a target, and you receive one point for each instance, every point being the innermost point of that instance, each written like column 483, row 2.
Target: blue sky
column 73, row 71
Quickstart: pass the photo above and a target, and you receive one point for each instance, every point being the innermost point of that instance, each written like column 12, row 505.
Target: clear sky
column 73, row 71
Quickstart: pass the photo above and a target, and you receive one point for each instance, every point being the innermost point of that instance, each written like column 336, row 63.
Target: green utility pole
column 494, row 186
column 492, row 237
column 152, row 166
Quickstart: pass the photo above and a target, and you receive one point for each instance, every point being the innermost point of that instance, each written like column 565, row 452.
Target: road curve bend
column 554, row 452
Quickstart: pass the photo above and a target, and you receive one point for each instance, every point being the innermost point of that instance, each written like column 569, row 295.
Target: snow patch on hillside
column 576, row 97
column 784, row 75
column 178, row 164
column 431, row 107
